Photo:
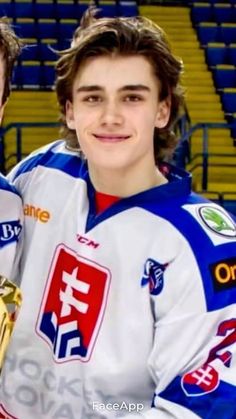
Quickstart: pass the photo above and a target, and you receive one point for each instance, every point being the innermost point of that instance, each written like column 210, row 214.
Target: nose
column 111, row 113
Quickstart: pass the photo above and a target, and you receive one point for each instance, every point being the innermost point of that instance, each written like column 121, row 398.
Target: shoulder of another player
column 52, row 156
column 8, row 192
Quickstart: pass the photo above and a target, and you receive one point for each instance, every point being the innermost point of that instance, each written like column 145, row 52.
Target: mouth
column 111, row 138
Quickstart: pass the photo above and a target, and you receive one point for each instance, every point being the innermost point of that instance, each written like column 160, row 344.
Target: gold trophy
column 10, row 301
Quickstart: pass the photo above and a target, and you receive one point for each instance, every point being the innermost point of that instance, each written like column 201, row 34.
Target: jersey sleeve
column 11, row 223
column 193, row 359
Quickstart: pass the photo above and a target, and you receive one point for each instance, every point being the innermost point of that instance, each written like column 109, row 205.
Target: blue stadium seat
column 233, row 122
column 66, row 29
column 47, row 28
column 46, row 52
column 228, row 98
column 201, row 12
column 26, row 28
column 48, row 74
column 28, row 75
column 7, row 9
column 30, row 51
column 208, row 32
column 228, row 32
column 127, row 8
column 23, row 9
column 109, row 10
column 232, row 54
column 44, row 10
column 224, row 76
column 63, row 43
column 223, row 13
column 68, row 10
column 216, row 53
column 16, row 76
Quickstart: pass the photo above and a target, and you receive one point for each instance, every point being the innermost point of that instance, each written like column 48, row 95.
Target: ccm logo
column 86, row 241
column 39, row 214
column 224, row 274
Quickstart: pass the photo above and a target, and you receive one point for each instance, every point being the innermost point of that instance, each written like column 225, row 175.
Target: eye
column 92, row 99
column 133, row 98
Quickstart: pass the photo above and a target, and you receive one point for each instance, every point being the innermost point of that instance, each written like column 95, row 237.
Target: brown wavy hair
column 10, row 47
column 124, row 37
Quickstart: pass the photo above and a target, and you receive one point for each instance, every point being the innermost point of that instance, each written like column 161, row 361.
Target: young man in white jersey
column 11, row 213
column 128, row 277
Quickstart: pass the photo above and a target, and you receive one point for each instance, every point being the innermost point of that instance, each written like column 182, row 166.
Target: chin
column 108, row 160
column 110, row 165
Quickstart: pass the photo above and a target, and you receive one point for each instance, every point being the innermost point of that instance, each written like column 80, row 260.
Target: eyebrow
column 130, row 87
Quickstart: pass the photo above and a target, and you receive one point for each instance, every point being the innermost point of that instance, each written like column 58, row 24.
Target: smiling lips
column 111, row 138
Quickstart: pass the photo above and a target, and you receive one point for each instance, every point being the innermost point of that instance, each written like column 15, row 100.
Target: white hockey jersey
column 128, row 313
column 11, row 218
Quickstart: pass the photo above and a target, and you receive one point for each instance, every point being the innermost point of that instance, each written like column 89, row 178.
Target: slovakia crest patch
column 73, row 305
column 153, row 276
column 199, row 382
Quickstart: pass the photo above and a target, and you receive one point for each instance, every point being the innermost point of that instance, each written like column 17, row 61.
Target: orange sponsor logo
column 38, row 213
column 224, row 274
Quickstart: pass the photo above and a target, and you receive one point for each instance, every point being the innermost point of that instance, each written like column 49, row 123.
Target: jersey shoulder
column 218, row 225
column 209, row 231
column 198, row 219
column 53, row 156
column 7, row 189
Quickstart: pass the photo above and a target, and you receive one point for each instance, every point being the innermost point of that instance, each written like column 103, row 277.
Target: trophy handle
column 10, row 302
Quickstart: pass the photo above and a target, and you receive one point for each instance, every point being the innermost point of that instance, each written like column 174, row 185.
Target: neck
column 120, row 183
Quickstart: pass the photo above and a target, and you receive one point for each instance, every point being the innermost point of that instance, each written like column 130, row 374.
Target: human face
column 114, row 111
column 2, row 83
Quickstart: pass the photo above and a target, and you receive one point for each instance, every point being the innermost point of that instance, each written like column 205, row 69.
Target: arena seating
column 228, row 97
column 232, row 53
column 43, row 24
column 219, row 53
column 224, row 76
column 215, row 23
column 216, row 53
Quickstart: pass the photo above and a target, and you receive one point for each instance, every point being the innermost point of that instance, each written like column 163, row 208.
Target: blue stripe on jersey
column 178, row 188
column 6, row 186
column 166, row 201
column 70, row 164
column 206, row 253
column 220, row 404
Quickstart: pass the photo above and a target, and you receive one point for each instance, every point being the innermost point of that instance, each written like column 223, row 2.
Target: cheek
column 85, row 119
column 146, row 122
column 143, row 115
column 84, row 128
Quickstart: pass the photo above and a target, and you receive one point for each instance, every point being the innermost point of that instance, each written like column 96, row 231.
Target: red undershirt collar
column 104, row 201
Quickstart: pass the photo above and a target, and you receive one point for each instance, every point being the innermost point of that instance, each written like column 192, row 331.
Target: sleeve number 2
column 230, row 339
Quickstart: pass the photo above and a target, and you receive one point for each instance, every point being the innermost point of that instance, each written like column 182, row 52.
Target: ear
column 163, row 114
column 70, row 121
